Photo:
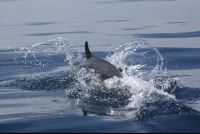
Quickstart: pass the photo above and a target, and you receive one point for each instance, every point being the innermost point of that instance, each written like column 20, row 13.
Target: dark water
column 47, row 88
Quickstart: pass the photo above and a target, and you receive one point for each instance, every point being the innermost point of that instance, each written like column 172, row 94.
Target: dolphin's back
column 104, row 68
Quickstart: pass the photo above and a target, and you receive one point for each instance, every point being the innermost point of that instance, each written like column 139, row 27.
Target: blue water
column 46, row 87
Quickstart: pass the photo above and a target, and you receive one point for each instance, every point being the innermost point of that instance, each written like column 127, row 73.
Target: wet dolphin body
column 104, row 68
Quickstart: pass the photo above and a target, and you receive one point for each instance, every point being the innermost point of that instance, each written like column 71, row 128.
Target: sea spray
column 138, row 61
column 59, row 45
column 137, row 57
column 145, row 80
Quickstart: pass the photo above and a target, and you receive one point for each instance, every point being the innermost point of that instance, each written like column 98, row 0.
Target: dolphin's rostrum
column 104, row 68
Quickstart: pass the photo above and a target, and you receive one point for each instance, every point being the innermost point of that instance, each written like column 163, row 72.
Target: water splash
column 136, row 60
column 145, row 84
column 62, row 46
column 137, row 57
column 141, row 64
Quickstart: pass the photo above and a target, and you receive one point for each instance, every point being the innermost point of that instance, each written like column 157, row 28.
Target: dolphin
column 102, row 67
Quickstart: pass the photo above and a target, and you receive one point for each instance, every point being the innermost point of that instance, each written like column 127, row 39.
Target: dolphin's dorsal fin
column 87, row 51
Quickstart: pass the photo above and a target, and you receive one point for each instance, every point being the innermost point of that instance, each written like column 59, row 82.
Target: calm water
column 46, row 87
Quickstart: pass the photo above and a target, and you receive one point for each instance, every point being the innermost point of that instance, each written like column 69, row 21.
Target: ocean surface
column 46, row 86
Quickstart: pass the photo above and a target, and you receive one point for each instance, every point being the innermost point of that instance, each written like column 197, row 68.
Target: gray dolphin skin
column 104, row 68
